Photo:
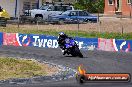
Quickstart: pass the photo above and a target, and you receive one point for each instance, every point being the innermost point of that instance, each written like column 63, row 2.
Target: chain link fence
column 105, row 24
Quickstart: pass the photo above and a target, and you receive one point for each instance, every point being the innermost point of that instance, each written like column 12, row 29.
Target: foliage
column 99, row 6
column 93, row 6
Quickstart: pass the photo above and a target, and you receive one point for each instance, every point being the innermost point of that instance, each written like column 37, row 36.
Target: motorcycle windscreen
column 67, row 41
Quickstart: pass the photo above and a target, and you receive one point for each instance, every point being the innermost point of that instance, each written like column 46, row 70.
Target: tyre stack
column 3, row 21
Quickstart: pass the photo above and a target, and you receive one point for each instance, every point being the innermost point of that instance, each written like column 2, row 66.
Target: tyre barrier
column 3, row 21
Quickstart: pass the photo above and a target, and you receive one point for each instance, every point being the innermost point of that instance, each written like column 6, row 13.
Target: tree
column 90, row 5
column 99, row 6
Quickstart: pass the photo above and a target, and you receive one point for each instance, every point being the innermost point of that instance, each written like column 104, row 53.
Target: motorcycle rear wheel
column 77, row 53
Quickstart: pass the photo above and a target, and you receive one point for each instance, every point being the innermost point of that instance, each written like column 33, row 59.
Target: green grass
column 14, row 68
column 71, row 33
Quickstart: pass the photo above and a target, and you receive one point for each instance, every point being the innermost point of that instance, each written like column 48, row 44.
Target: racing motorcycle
column 72, row 48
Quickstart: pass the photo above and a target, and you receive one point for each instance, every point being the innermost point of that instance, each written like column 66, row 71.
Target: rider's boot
column 65, row 51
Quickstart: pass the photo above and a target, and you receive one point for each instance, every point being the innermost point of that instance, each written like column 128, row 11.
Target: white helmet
column 61, row 33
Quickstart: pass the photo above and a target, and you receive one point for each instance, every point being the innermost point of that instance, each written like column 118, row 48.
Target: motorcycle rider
column 61, row 41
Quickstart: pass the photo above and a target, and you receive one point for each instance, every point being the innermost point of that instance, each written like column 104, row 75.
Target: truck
column 43, row 13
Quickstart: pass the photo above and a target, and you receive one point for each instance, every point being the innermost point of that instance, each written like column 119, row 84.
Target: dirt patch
column 107, row 24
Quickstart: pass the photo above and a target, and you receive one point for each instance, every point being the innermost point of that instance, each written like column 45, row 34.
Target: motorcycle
column 72, row 48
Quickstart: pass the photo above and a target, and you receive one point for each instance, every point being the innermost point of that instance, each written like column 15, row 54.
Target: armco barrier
column 105, row 44
column 1, row 38
column 9, row 39
column 35, row 40
column 17, row 39
column 87, row 43
column 120, row 45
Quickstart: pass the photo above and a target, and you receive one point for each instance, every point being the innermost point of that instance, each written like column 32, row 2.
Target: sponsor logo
column 82, row 76
column 91, row 47
column 23, row 40
column 121, row 45
column 50, row 43
column 40, row 42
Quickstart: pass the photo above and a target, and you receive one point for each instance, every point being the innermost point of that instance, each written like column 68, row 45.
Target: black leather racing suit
column 61, row 41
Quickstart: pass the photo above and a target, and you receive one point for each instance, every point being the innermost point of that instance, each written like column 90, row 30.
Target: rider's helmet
column 62, row 34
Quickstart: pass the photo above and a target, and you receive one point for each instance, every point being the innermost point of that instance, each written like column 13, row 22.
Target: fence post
column 78, row 26
column 18, row 20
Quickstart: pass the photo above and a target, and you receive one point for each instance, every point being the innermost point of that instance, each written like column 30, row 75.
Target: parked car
column 48, row 9
column 73, row 16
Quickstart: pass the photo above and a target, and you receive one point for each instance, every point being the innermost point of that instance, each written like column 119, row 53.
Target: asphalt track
column 94, row 62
